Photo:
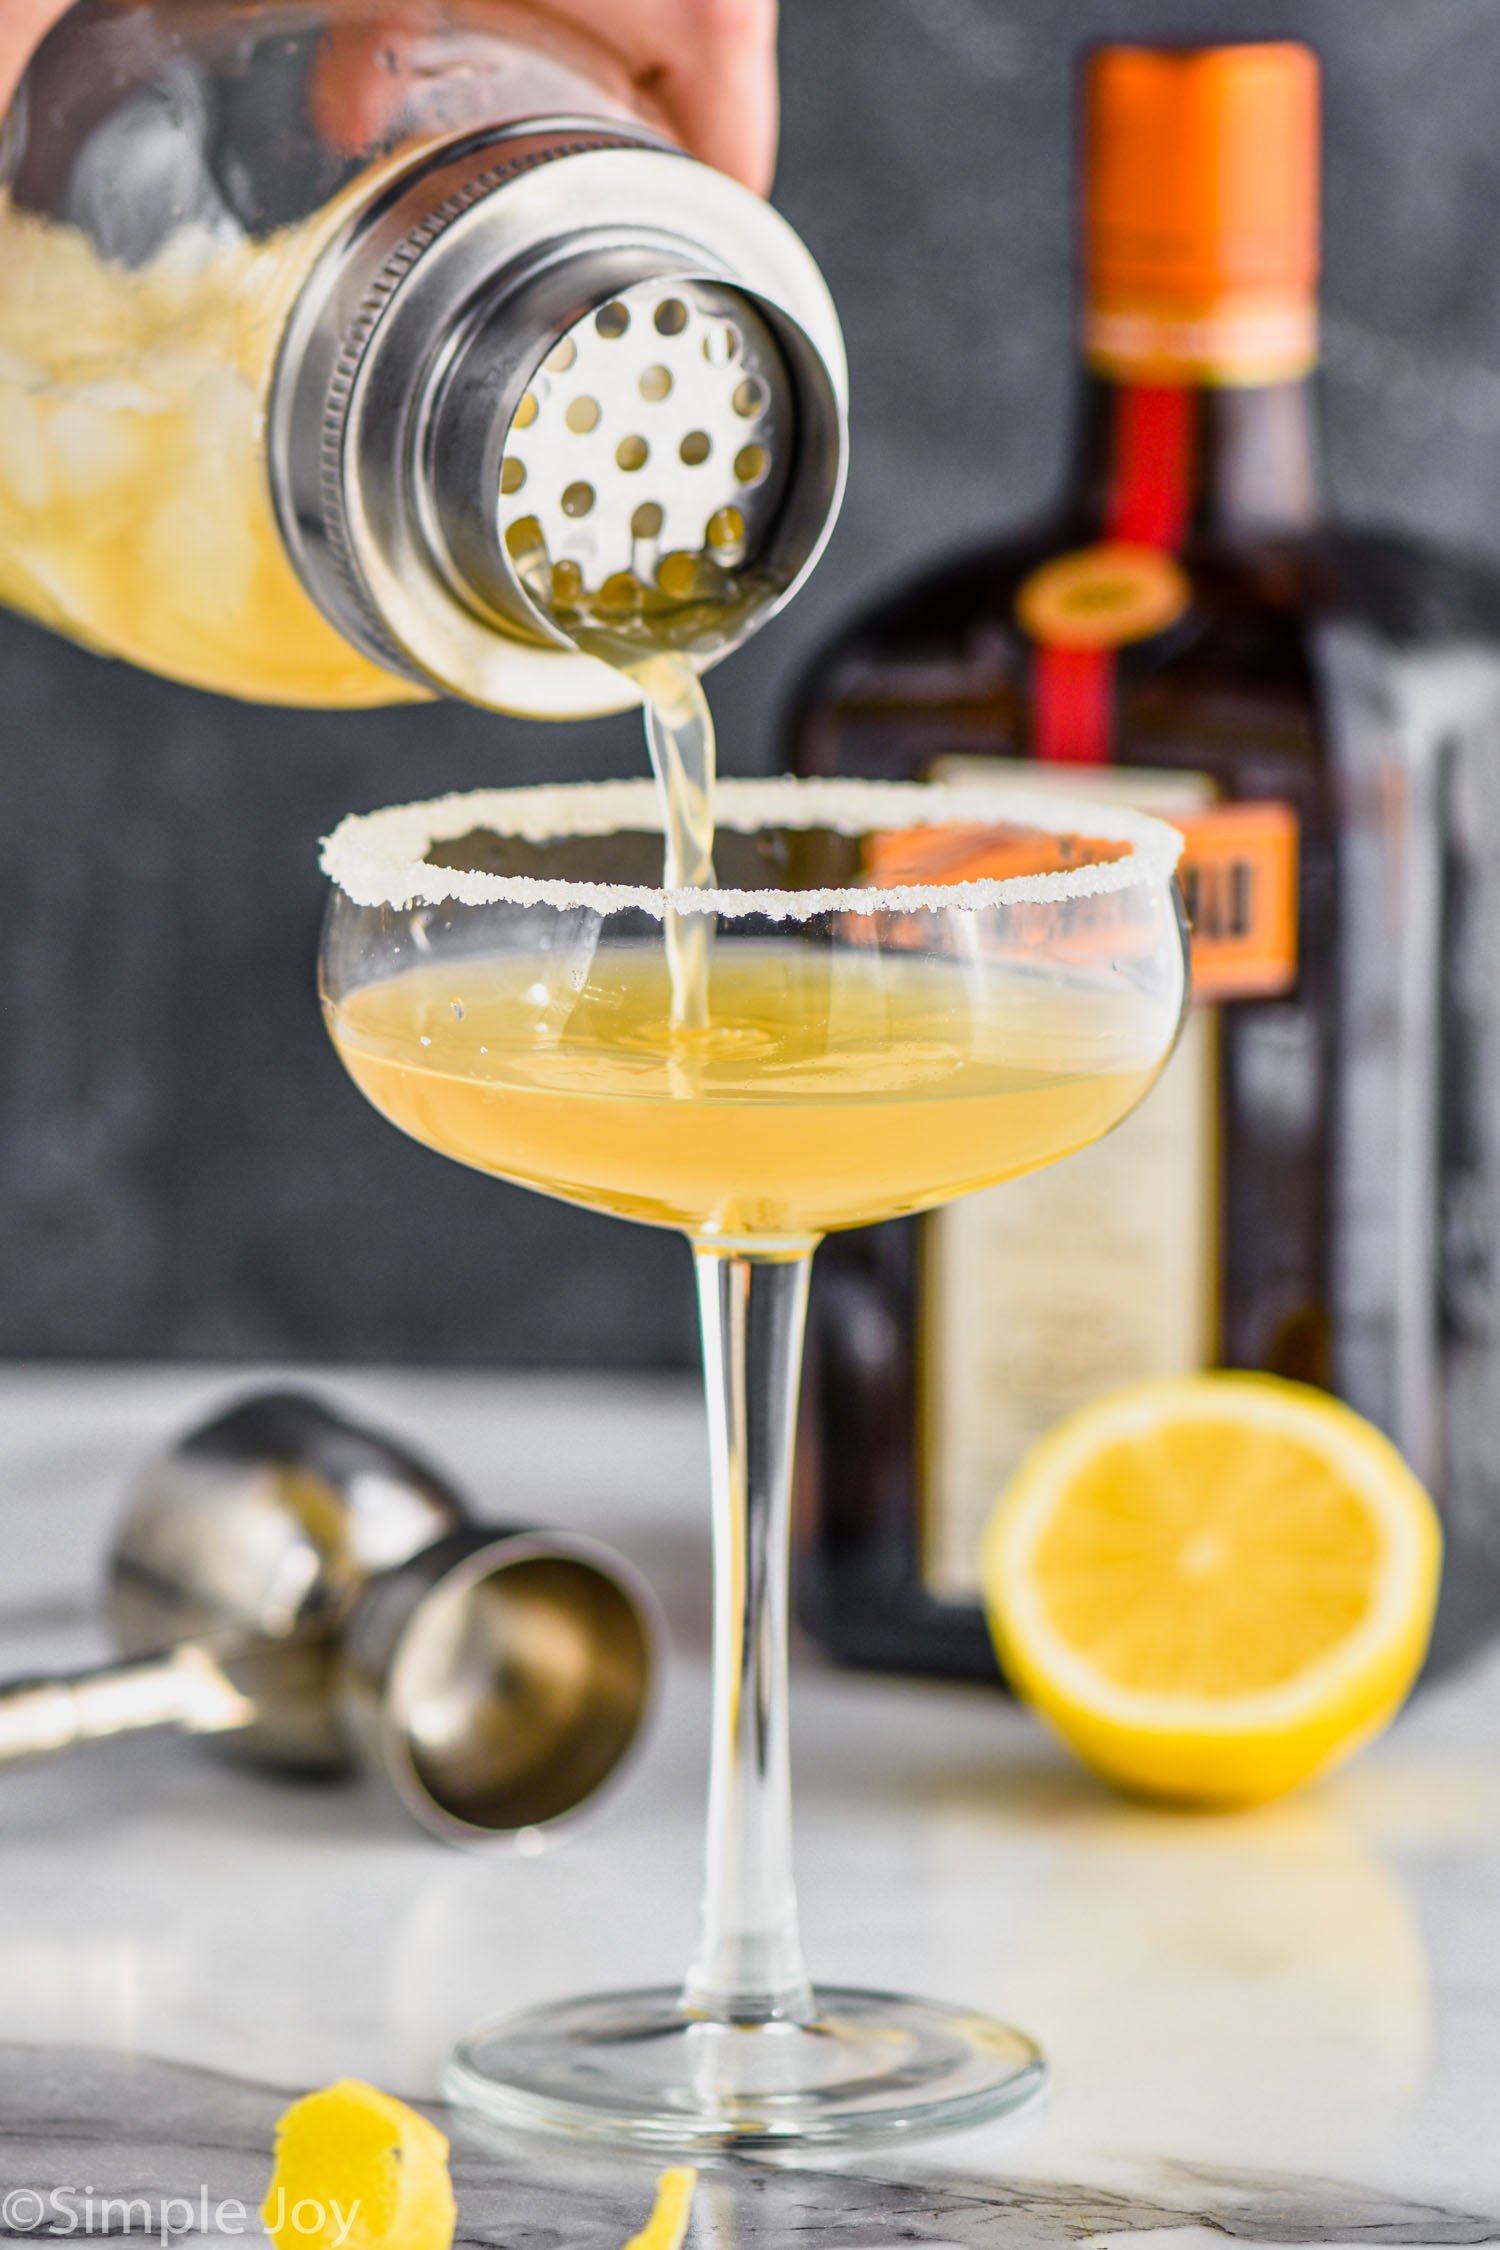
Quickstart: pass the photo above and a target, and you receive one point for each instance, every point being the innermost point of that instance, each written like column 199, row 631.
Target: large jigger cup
column 313, row 1596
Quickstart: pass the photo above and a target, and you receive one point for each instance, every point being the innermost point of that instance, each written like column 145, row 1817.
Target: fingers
column 719, row 85
column 23, row 26
column 708, row 65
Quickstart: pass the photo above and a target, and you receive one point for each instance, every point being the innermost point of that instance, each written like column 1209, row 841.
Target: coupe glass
column 913, row 992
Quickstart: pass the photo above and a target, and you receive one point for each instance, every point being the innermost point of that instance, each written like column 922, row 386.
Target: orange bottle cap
column 1202, row 173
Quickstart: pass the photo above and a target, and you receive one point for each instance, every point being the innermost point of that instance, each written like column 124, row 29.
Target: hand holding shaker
column 311, row 1594
column 316, row 321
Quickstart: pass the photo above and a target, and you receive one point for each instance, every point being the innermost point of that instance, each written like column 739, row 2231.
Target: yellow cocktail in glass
column 910, row 993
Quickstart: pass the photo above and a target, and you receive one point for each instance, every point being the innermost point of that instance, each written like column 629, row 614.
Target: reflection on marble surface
column 1282, row 2026
column 1282, row 1927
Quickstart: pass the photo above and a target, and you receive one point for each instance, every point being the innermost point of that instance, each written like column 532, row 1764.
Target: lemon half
column 1215, row 1586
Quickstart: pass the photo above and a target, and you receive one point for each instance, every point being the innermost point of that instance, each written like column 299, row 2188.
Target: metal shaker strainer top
column 659, row 428
column 558, row 348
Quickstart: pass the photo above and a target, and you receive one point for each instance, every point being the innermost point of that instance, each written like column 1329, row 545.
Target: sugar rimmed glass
column 915, row 991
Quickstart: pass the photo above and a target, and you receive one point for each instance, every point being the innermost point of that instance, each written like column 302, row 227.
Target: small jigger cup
column 313, row 1597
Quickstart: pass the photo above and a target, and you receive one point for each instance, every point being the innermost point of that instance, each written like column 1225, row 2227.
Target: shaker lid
column 558, row 367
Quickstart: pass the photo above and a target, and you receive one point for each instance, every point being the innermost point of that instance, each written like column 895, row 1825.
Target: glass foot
column 635, row 2066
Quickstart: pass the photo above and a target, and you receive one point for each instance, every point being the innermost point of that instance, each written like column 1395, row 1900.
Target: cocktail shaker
column 317, row 317
column 310, row 1594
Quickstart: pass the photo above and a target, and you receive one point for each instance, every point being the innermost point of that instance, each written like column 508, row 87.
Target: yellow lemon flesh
column 1213, row 1587
column 357, row 2170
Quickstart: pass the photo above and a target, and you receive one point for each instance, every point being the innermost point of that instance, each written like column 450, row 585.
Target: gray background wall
column 183, row 1168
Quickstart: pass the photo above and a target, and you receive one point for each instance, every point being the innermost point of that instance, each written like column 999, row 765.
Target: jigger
column 310, row 1594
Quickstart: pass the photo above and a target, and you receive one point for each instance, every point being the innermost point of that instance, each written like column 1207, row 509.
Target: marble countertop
column 1281, row 2027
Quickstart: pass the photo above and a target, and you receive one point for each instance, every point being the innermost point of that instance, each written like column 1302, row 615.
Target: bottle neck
column 1165, row 463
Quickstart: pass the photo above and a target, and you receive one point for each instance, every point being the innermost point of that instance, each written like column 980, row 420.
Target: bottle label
column 1239, row 883
column 1102, row 597
column 1227, row 340
column 1041, row 1293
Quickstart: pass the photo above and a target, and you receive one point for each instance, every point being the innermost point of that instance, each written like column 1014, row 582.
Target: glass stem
column 748, row 1967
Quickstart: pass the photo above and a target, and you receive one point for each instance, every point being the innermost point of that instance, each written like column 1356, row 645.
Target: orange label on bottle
column 1239, row 879
column 1102, row 597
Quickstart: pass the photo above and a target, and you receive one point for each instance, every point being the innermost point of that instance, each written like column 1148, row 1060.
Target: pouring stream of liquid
column 680, row 738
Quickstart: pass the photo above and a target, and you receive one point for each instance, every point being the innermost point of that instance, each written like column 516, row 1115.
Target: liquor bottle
column 1312, row 1189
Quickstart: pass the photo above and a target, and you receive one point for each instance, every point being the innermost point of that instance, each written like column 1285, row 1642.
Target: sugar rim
column 377, row 858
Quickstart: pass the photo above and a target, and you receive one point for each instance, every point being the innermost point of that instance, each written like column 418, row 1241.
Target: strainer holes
column 751, row 464
column 749, row 398
column 561, row 357
column 721, row 344
column 671, row 317
column 567, row 583
column 725, row 533
column 655, row 382
column 622, row 590
column 647, row 521
column 577, row 499
column 695, row 448
column 612, row 321
column 512, row 475
column 582, row 415
column 677, row 576
column 524, row 539
column 526, row 411
column 632, row 453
